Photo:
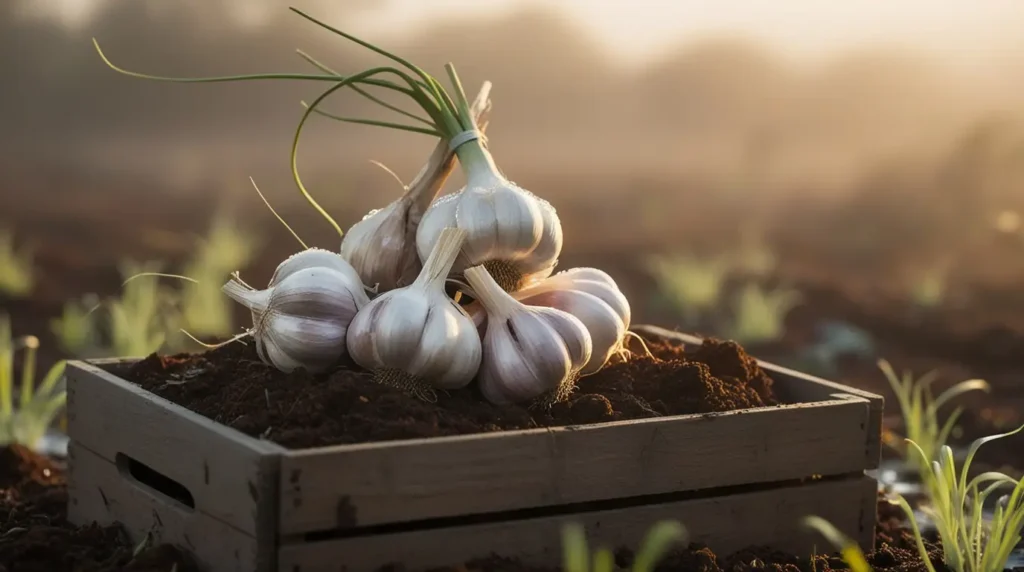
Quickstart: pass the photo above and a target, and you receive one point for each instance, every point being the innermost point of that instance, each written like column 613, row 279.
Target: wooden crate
column 243, row 505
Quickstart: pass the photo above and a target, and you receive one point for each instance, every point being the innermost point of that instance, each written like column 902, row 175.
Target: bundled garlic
column 528, row 351
column 301, row 319
column 381, row 247
column 416, row 337
column 591, row 296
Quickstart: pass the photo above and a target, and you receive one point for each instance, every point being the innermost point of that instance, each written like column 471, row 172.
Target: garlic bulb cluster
column 592, row 296
column 528, row 351
column 381, row 247
column 416, row 337
column 301, row 319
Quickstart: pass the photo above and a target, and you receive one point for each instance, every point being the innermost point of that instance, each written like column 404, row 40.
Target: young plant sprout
column 381, row 247
column 593, row 297
column 760, row 316
column 301, row 319
column 955, row 504
column 25, row 421
column 848, row 549
column 693, row 286
column 512, row 232
column 416, row 337
column 16, row 274
column 920, row 411
column 576, row 555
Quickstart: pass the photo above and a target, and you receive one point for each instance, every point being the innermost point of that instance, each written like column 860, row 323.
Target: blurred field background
column 829, row 183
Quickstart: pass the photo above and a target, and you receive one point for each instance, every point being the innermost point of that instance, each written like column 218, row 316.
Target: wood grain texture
column 362, row 485
column 232, row 477
column 798, row 387
column 99, row 492
column 727, row 524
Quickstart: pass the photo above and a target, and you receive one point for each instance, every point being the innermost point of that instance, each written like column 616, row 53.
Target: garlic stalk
column 591, row 296
column 301, row 319
column 415, row 337
column 528, row 351
column 381, row 247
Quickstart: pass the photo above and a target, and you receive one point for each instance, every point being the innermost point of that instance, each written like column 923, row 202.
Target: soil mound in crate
column 232, row 386
column 35, row 535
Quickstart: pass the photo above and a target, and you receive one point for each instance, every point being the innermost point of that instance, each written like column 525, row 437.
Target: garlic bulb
column 302, row 317
column 591, row 296
column 528, row 351
column 381, row 247
column 416, row 337
column 511, row 232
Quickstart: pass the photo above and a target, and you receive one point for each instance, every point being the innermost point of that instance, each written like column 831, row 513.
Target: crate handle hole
column 154, row 480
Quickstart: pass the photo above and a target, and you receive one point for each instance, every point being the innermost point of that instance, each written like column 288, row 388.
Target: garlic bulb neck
column 254, row 300
column 478, row 165
column 441, row 259
column 497, row 302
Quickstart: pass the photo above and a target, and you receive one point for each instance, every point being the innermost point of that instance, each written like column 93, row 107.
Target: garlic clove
column 510, row 231
column 314, row 258
column 415, row 337
column 527, row 351
column 377, row 249
column 302, row 318
column 604, row 325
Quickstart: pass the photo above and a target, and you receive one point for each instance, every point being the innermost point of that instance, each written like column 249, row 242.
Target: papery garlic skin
column 382, row 246
column 527, row 351
column 418, row 329
column 605, row 327
column 514, row 234
column 378, row 249
column 301, row 320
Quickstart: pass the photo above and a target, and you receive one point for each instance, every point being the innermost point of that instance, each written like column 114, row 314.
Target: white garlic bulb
column 301, row 319
column 513, row 233
column 381, row 247
column 416, row 337
column 592, row 296
column 528, row 351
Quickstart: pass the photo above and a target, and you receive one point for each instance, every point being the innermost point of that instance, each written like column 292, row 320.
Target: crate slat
column 231, row 476
column 344, row 487
column 726, row 523
column 99, row 492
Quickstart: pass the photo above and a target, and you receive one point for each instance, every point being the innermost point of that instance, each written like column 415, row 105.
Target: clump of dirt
column 232, row 386
column 35, row 535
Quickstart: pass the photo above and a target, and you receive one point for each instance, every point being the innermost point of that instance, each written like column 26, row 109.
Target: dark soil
column 35, row 535
column 232, row 386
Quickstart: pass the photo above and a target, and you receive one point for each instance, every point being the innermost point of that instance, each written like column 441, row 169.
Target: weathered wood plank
column 99, row 492
column 231, row 476
column 362, row 485
column 798, row 387
column 727, row 524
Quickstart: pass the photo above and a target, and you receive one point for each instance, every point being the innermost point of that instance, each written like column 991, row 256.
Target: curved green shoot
column 324, row 68
column 576, row 555
column 848, row 549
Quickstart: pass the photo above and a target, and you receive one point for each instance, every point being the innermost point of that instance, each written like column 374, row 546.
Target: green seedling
column 576, row 556
column 25, row 418
column 205, row 309
column 920, row 411
column 848, row 549
column 760, row 315
column 17, row 277
column 75, row 329
column 692, row 285
column 970, row 543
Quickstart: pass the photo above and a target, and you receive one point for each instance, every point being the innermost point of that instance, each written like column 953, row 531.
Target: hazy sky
column 962, row 32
